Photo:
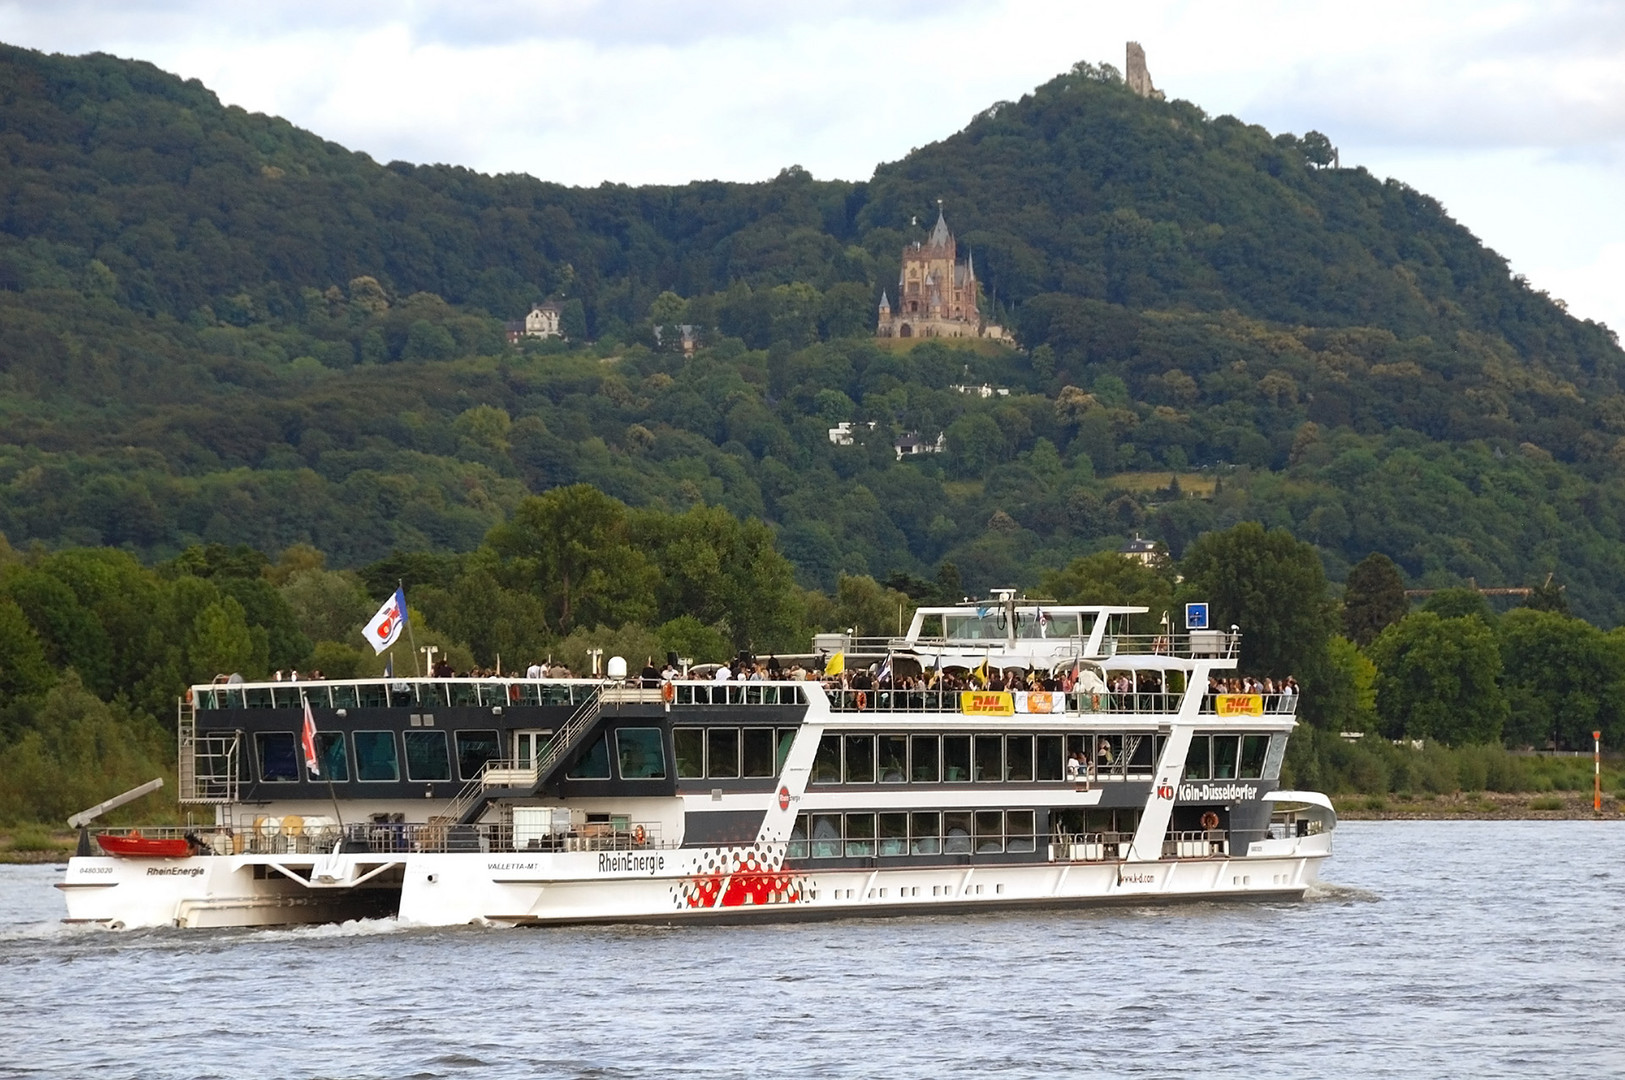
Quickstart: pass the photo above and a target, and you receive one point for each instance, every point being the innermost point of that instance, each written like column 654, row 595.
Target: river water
column 1432, row 949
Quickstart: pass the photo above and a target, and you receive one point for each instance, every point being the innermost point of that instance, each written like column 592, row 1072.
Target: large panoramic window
column 827, row 764
column 989, row 759
column 1196, row 760
column 860, row 759
column 279, row 760
column 689, row 742
column 1225, row 753
column 474, row 749
column 1018, row 757
column 426, row 758
column 757, row 751
column 375, row 759
column 330, row 753
column 593, row 764
column 1051, row 763
column 956, row 759
column 642, row 755
column 927, row 767
column 1254, row 749
column 722, row 753
column 893, row 759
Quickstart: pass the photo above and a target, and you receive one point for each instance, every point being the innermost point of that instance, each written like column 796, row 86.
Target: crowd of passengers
column 1246, row 684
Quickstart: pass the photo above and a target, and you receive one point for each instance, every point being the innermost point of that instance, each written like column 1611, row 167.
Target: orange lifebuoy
column 1094, row 701
column 863, row 701
column 189, row 695
column 669, row 692
column 638, row 835
column 1210, row 820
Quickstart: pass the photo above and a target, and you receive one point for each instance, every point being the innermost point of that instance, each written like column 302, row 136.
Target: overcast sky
column 1511, row 113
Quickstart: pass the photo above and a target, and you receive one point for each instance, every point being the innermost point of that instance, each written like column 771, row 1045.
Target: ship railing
column 1196, row 844
column 703, row 692
column 1109, row 846
column 1088, row 846
column 904, row 701
column 395, row 693
column 313, row 836
column 1196, row 644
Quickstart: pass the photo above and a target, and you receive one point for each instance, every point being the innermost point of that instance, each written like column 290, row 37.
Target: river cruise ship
column 1140, row 777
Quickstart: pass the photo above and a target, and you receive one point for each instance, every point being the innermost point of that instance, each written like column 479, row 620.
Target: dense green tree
column 1373, row 598
column 1563, row 680
column 1460, row 603
column 1271, row 586
column 1437, row 678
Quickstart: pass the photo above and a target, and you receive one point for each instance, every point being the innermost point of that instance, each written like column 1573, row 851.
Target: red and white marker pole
column 1596, row 772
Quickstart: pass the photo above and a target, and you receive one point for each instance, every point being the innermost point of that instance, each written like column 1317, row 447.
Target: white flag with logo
column 387, row 625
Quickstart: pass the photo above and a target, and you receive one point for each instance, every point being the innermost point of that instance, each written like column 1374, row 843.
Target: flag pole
column 310, row 718
column 410, row 637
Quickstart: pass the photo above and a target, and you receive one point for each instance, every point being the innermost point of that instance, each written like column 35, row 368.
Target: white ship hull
column 662, row 886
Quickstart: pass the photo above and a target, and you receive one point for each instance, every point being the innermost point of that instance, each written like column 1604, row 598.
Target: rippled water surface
column 1472, row 949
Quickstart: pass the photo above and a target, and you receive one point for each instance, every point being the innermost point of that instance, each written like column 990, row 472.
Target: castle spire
column 939, row 232
column 885, row 304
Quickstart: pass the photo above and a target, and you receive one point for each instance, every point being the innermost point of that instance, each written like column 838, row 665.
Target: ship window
column 956, row 832
column 893, row 835
column 375, row 756
column 1253, row 749
column 927, row 766
column 474, row 749
column 1018, row 830
column 593, row 763
column 689, row 743
column 426, row 758
column 989, row 758
column 1224, row 756
column 925, row 832
column 1196, row 761
column 860, row 759
column 826, row 836
column 956, row 759
column 330, row 752
column 279, row 761
column 787, row 737
column 758, row 752
column 797, row 848
column 640, row 753
column 893, row 759
column 722, row 753
column 1018, row 757
column 860, row 835
column 827, row 764
column 989, row 831
column 1051, row 765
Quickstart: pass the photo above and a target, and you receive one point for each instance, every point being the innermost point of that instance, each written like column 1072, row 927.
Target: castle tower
column 936, row 296
column 1136, row 74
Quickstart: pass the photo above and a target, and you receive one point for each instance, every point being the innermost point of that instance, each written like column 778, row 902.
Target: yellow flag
column 835, row 664
column 981, row 672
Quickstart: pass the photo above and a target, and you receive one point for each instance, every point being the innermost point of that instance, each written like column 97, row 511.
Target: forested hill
column 216, row 327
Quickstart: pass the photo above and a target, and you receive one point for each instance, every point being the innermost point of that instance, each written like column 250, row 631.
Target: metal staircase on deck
column 510, row 776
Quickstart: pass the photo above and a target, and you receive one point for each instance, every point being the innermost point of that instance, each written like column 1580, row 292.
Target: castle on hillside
column 936, row 296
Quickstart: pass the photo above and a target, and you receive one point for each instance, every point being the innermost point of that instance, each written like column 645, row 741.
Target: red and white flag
column 307, row 739
column 386, row 626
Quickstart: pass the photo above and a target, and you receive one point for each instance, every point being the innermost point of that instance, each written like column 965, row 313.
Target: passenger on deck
column 534, row 671
column 650, row 674
column 1073, row 767
column 723, row 674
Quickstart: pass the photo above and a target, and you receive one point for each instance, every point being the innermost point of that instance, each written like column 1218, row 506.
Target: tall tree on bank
column 1373, row 598
column 1274, row 588
column 1439, row 678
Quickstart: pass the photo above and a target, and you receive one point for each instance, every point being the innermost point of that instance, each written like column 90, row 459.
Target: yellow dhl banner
column 1240, row 705
column 987, row 703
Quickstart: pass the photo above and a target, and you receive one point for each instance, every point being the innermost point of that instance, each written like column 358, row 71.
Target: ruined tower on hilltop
column 936, row 295
column 1136, row 75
